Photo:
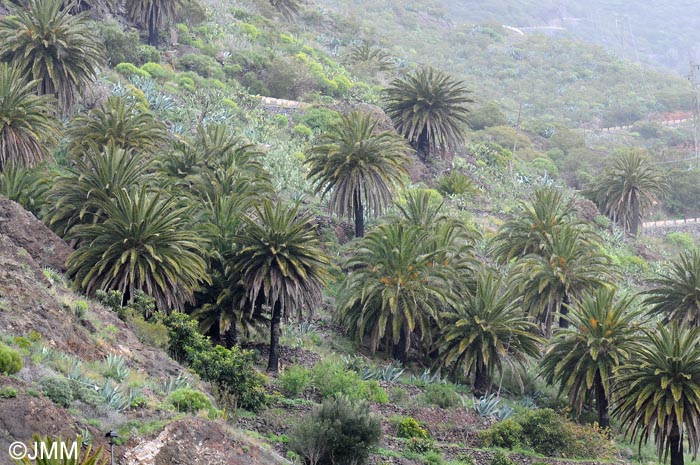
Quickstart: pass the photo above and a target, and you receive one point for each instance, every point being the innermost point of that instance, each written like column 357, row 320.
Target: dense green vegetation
column 210, row 220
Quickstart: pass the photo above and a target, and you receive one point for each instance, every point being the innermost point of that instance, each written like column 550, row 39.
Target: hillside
column 662, row 34
column 376, row 233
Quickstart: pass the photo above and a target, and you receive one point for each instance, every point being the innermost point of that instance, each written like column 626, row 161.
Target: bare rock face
column 29, row 233
column 195, row 441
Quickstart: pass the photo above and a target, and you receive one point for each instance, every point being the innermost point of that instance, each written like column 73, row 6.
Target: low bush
column 8, row 392
column 332, row 379
column 58, row 390
column 10, row 360
column 338, row 432
column 421, row 445
column 500, row 458
column 545, row 432
column 442, row 395
column 189, row 400
column 507, row 433
column 408, row 427
column 294, row 380
column 129, row 69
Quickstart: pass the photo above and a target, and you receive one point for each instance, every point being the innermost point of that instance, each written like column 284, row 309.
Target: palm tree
column 675, row 294
column 358, row 166
column 533, row 225
column 152, row 15
column 77, row 196
column 280, row 259
column 567, row 265
column 366, row 53
column 396, row 289
column 428, row 108
column 118, row 122
column 485, row 328
column 27, row 187
column 658, row 391
column 144, row 243
column 287, row 8
column 57, row 50
column 582, row 359
column 628, row 189
column 27, row 128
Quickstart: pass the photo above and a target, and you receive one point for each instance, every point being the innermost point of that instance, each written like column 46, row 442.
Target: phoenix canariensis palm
column 119, row 122
column 396, row 288
column 532, row 226
column 583, row 358
column 675, row 294
column 145, row 243
column 153, row 15
column 428, row 107
column 627, row 190
column 484, row 329
column 657, row 391
column 280, row 259
column 568, row 264
column 78, row 195
column 58, row 50
column 27, row 126
column 358, row 166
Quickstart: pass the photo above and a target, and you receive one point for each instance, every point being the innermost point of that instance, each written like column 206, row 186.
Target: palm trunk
column 152, row 30
column 564, row 311
column 273, row 362
column 359, row 214
column 401, row 348
column 676, row 445
column 601, row 401
column 231, row 336
column 481, row 381
column 634, row 227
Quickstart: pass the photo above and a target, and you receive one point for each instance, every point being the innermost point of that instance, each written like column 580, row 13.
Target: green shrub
column 58, row 390
column 590, row 442
column 129, row 69
column 466, row 459
column 149, row 54
column 500, row 458
column 8, row 392
column 80, row 308
column 186, row 83
column 203, row 65
column 375, row 392
column 250, row 30
column 294, row 380
column 331, row 379
column 681, row 240
column 152, row 332
column 121, row 46
column 507, row 434
column 339, row 431
column 189, row 400
column 408, row 427
column 10, row 360
column 280, row 121
column 319, row 119
column 303, row 131
column 398, row 395
column 442, row 395
column 232, row 371
column 544, row 431
column 421, row 445
column 156, row 71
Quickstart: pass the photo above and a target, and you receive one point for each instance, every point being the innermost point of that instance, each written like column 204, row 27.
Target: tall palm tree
column 280, row 259
column 429, row 108
column 628, row 189
column 56, row 49
column 484, row 329
column 118, row 122
column 582, row 359
column 287, row 8
column 657, row 391
column 144, row 243
column 152, row 15
column 396, row 289
column 78, row 195
column 27, row 127
column 532, row 225
column 675, row 294
column 358, row 166
column 567, row 265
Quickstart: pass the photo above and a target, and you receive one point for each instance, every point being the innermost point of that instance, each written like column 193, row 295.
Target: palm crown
column 428, row 108
column 55, row 48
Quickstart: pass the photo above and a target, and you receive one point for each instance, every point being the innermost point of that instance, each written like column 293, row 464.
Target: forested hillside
column 341, row 234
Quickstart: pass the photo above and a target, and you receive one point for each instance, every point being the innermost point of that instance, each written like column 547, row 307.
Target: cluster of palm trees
column 195, row 223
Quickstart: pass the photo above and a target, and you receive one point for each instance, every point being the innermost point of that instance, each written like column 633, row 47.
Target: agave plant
column 115, row 368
